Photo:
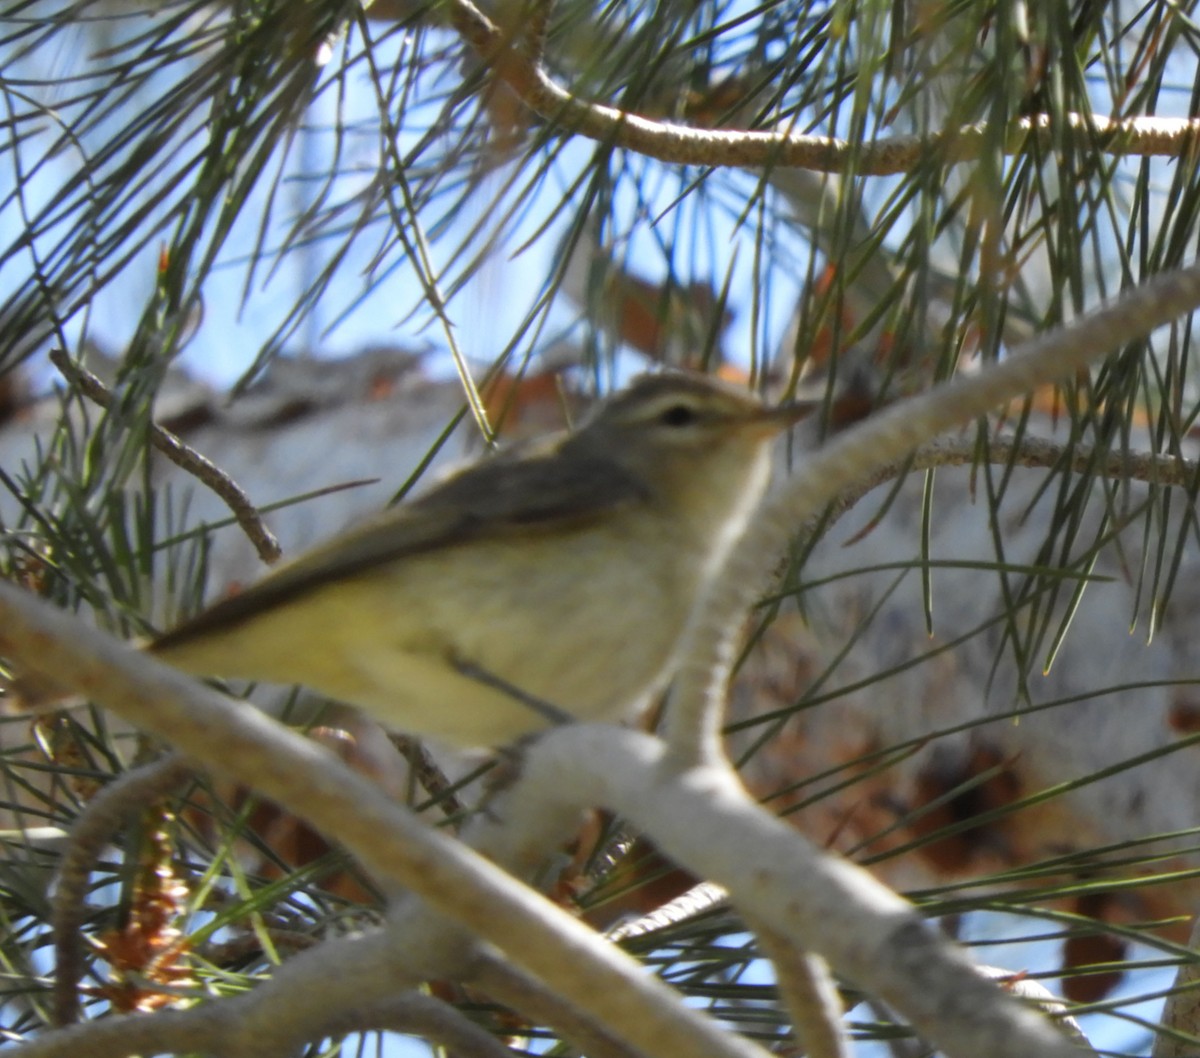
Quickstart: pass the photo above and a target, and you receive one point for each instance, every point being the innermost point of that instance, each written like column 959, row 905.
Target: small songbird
column 553, row 580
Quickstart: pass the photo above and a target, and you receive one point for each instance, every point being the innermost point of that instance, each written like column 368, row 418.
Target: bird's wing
column 531, row 495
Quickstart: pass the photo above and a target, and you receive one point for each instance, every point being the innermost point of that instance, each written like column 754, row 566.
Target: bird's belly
column 593, row 646
column 588, row 632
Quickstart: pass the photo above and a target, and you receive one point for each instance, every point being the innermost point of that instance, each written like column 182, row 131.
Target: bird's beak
column 784, row 416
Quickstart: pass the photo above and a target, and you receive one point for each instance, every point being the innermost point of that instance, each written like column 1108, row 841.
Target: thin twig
column 91, row 832
column 537, row 25
column 680, row 144
column 1039, row 996
column 698, row 900
column 532, row 999
column 1180, row 1025
column 426, row 1017
column 188, row 459
column 811, row 998
column 428, row 773
column 251, row 944
column 1149, row 467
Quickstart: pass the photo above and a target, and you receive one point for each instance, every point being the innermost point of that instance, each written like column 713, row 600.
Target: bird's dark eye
column 678, row 415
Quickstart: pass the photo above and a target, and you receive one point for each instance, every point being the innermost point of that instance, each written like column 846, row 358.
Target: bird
column 549, row 582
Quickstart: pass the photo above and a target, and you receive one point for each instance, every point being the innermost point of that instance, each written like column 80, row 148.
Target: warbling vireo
column 554, row 578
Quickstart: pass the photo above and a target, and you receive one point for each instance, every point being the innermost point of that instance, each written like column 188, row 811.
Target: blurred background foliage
column 212, row 185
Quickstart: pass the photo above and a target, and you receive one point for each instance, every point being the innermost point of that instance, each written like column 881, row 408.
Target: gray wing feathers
column 532, row 495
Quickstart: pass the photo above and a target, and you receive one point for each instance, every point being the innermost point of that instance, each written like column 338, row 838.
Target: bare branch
column 809, row 996
column 537, row 25
column 386, row 838
column 165, row 1032
column 851, row 458
column 703, row 818
column 681, row 144
column 1149, row 467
